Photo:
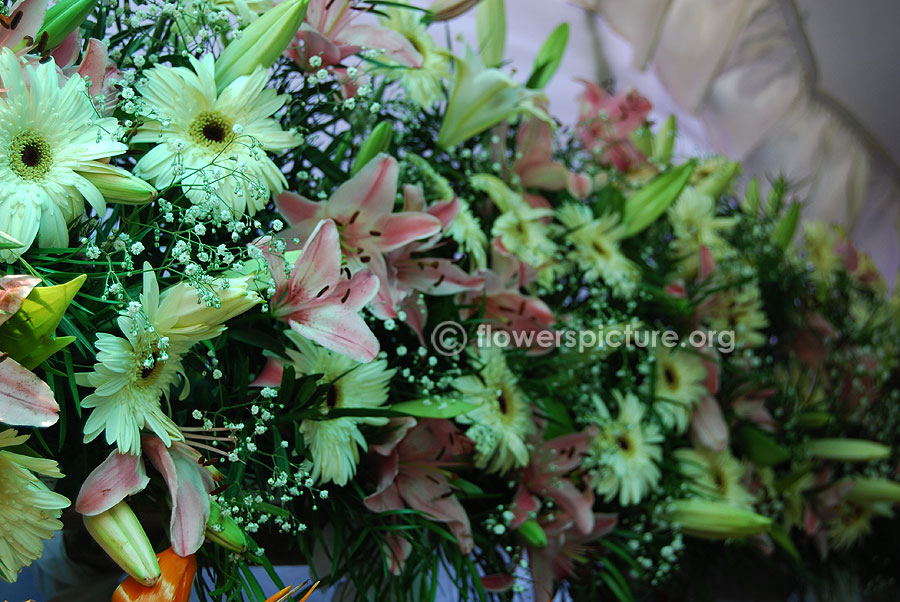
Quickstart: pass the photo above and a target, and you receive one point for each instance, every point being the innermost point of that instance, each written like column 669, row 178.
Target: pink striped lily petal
column 25, row 399
column 119, row 476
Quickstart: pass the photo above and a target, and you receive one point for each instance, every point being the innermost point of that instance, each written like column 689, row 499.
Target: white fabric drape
column 742, row 79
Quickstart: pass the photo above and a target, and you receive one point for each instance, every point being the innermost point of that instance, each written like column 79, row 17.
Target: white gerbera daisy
column 334, row 442
column 623, row 459
column 595, row 245
column 131, row 375
column 49, row 133
column 502, row 421
column 680, row 385
column 715, row 475
column 30, row 512
column 212, row 144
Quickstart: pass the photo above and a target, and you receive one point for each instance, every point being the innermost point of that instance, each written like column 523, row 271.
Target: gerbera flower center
column 332, row 397
column 211, row 129
column 29, row 156
column 151, row 372
column 671, row 377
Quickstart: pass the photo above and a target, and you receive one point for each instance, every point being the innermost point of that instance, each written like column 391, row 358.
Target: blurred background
column 803, row 88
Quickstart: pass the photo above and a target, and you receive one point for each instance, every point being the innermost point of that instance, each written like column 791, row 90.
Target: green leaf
column 780, row 536
column 644, row 206
column 28, row 335
column 760, row 447
column 549, row 57
column 439, row 408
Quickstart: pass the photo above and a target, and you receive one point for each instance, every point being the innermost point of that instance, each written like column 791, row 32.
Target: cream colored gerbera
column 502, row 421
column 819, row 245
column 855, row 521
column 680, row 384
column 739, row 310
column 29, row 512
column 133, row 373
column 521, row 228
column 596, row 247
column 696, row 224
column 210, row 144
column 624, row 457
column 422, row 84
column 714, row 475
column 334, row 443
column 48, row 135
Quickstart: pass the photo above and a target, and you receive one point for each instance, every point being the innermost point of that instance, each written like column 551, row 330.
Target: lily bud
column 118, row 185
column 63, row 18
column 261, row 43
column 490, row 22
column 481, row 99
column 121, row 535
column 847, row 450
column 444, row 10
column 644, row 206
column 177, row 579
column 379, row 141
column 222, row 529
column 715, row 520
column 874, row 491
column 532, row 533
column 664, row 142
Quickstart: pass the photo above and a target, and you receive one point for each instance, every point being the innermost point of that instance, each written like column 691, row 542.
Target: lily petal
column 25, row 399
column 189, row 486
column 119, row 476
column 13, row 290
column 370, row 193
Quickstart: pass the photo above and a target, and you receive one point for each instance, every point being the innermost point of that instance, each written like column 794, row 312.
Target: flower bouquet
column 303, row 286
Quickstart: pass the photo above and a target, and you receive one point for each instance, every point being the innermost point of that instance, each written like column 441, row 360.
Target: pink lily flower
column 189, row 483
column 566, row 545
column 329, row 32
column 25, row 399
column 536, row 167
column 546, row 476
column 708, row 426
column 504, row 305
column 407, row 274
column 362, row 208
column 318, row 303
column 411, row 467
column 605, row 123
column 751, row 405
column 24, row 20
column 95, row 64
